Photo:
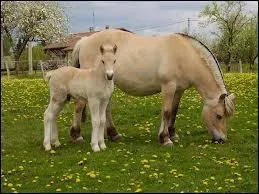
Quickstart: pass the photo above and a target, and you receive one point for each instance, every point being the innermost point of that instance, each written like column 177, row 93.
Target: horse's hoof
column 80, row 139
column 116, row 137
column 175, row 137
column 168, row 143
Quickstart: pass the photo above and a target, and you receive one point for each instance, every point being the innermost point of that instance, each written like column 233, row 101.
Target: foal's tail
column 75, row 55
column 47, row 76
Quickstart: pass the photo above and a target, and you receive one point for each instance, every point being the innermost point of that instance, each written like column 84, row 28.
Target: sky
column 141, row 17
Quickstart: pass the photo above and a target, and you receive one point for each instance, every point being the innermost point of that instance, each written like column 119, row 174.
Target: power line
column 152, row 27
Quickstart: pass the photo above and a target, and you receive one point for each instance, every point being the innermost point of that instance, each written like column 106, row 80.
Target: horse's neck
column 207, row 86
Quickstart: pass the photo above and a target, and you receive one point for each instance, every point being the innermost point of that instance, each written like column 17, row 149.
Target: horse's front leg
column 75, row 131
column 110, row 128
column 168, row 91
column 94, row 106
column 175, row 106
column 102, row 114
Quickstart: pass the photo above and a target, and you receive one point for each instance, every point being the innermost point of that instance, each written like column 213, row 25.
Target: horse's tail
column 75, row 55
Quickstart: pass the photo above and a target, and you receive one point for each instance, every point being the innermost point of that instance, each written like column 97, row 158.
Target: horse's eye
column 102, row 61
column 219, row 117
column 114, row 61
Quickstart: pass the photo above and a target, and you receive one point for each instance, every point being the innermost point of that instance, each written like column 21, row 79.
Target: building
column 63, row 51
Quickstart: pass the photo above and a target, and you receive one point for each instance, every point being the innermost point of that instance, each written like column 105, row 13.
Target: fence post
column 30, row 57
column 240, row 66
column 7, row 70
column 41, row 66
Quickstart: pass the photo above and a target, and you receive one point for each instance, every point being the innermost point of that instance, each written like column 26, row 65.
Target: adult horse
column 169, row 64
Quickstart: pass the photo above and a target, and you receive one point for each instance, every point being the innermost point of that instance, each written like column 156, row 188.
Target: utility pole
column 93, row 22
column 188, row 27
column 30, row 57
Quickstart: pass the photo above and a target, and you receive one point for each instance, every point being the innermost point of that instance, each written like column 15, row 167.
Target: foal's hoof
column 57, row 144
column 117, row 137
column 103, row 146
column 96, row 149
column 47, row 148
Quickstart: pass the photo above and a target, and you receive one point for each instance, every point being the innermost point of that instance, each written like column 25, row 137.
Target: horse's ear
column 115, row 49
column 101, row 49
column 222, row 98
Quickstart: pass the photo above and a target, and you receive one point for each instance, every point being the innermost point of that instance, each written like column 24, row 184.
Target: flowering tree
column 32, row 20
column 230, row 18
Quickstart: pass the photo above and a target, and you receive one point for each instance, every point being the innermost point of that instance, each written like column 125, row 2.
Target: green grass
column 139, row 162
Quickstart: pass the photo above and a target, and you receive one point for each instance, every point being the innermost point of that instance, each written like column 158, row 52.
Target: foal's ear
column 222, row 98
column 115, row 49
column 101, row 49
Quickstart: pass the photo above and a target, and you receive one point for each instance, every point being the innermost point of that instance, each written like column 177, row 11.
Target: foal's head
column 108, row 59
column 215, row 115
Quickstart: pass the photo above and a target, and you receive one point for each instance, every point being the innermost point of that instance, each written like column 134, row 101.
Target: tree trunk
column 229, row 61
column 17, row 64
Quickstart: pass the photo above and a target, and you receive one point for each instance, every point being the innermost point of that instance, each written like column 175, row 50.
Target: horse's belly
column 137, row 84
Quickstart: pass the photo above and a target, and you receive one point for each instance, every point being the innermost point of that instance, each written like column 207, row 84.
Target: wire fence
column 47, row 65
column 37, row 65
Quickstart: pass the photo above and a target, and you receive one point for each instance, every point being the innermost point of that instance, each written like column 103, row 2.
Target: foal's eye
column 114, row 61
column 219, row 117
column 102, row 61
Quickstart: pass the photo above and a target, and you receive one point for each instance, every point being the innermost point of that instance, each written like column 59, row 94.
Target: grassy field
column 138, row 163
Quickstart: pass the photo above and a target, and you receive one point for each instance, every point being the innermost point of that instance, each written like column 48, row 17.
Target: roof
column 71, row 41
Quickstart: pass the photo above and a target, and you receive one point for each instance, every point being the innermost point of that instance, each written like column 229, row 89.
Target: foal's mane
column 215, row 59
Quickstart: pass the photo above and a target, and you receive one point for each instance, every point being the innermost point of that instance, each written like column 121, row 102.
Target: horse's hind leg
column 168, row 91
column 175, row 105
column 50, row 125
column 75, row 130
column 110, row 128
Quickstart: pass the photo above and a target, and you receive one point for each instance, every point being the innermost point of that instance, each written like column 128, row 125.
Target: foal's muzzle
column 109, row 75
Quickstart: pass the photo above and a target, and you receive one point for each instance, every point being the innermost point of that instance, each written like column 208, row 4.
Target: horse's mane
column 215, row 59
column 229, row 105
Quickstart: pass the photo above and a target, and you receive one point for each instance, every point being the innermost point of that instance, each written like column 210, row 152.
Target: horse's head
column 215, row 114
column 108, row 59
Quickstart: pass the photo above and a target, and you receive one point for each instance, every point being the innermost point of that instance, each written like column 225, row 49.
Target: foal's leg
column 50, row 125
column 111, row 130
column 94, row 105
column 175, row 105
column 102, row 110
column 75, row 131
column 168, row 91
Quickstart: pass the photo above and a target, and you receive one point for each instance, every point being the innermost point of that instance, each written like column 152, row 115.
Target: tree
column 230, row 18
column 32, row 20
column 246, row 46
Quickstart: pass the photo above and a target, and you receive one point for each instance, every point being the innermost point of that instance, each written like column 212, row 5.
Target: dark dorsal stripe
column 187, row 36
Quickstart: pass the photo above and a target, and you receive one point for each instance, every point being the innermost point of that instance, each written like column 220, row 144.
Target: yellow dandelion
column 78, row 180
column 58, row 190
column 52, row 151
column 138, row 190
